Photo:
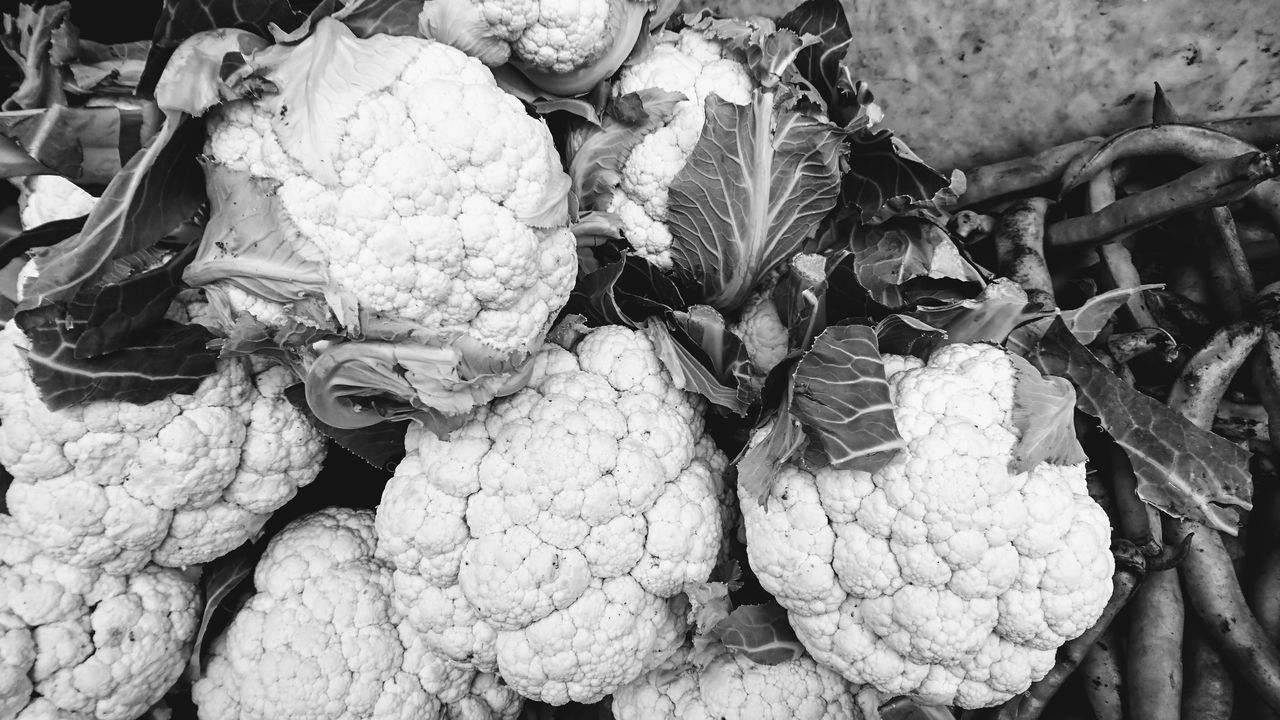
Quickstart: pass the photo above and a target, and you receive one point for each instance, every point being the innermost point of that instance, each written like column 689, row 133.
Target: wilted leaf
column 842, row 400
column 888, row 255
column 167, row 358
column 381, row 444
column 878, row 173
column 754, row 189
column 1044, row 415
column 1182, row 470
column 761, row 633
column 160, row 188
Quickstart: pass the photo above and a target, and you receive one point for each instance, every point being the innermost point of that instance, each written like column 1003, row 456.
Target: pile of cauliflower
column 401, row 227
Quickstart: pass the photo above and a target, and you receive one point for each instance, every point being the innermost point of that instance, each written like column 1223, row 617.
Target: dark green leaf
column 703, row 356
column 6, row 479
column 390, row 17
column 905, row 708
column 888, row 255
column 842, row 400
column 625, row 290
column 381, row 444
column 168, row 358
column 822, row 65
column 159, row 189
column 905, row 335
column 15, row 162
column 220, row 578
column 86, row 144
column 761, row 633
column 118, row 313
column 800, row 297
column 878, row 172
column 50, row 233
column 753, row 190
column 1182, row 470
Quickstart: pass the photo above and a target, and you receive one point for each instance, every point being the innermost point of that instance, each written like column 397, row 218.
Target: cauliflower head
column 321, row 638
column 84, row 644
column 696, row 66
column 551, row 535
column 362, row 194
column 564, row 47
column 730, row 686
column 943, row 575
column 179, row 481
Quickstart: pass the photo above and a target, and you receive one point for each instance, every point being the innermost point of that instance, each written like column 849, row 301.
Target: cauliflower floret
column 732, row 687
column 550, row 535
column 763, row 333
column 178, row 481
column 81, row 643
column 563, row 46
column 46, row 198
column 697, row 67
column 322, row 639
column 415, row 217
column 942, row 575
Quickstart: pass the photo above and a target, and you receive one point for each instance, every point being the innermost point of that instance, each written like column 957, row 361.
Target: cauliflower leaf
column 842, row 400
column 755, row 187
column 159, row 189
column 761, row 633
column 888, row 255
column 1184, row 471
column 167, row 358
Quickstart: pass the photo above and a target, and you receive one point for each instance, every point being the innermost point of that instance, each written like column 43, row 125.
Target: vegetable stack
column 445, row 359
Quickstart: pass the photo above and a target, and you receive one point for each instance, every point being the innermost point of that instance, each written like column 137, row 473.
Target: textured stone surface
column 966, row 82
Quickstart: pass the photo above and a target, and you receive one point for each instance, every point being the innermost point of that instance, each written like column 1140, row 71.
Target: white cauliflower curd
column 551, row 536
column 81, row 644
column 321, row 638
column 943, row 575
